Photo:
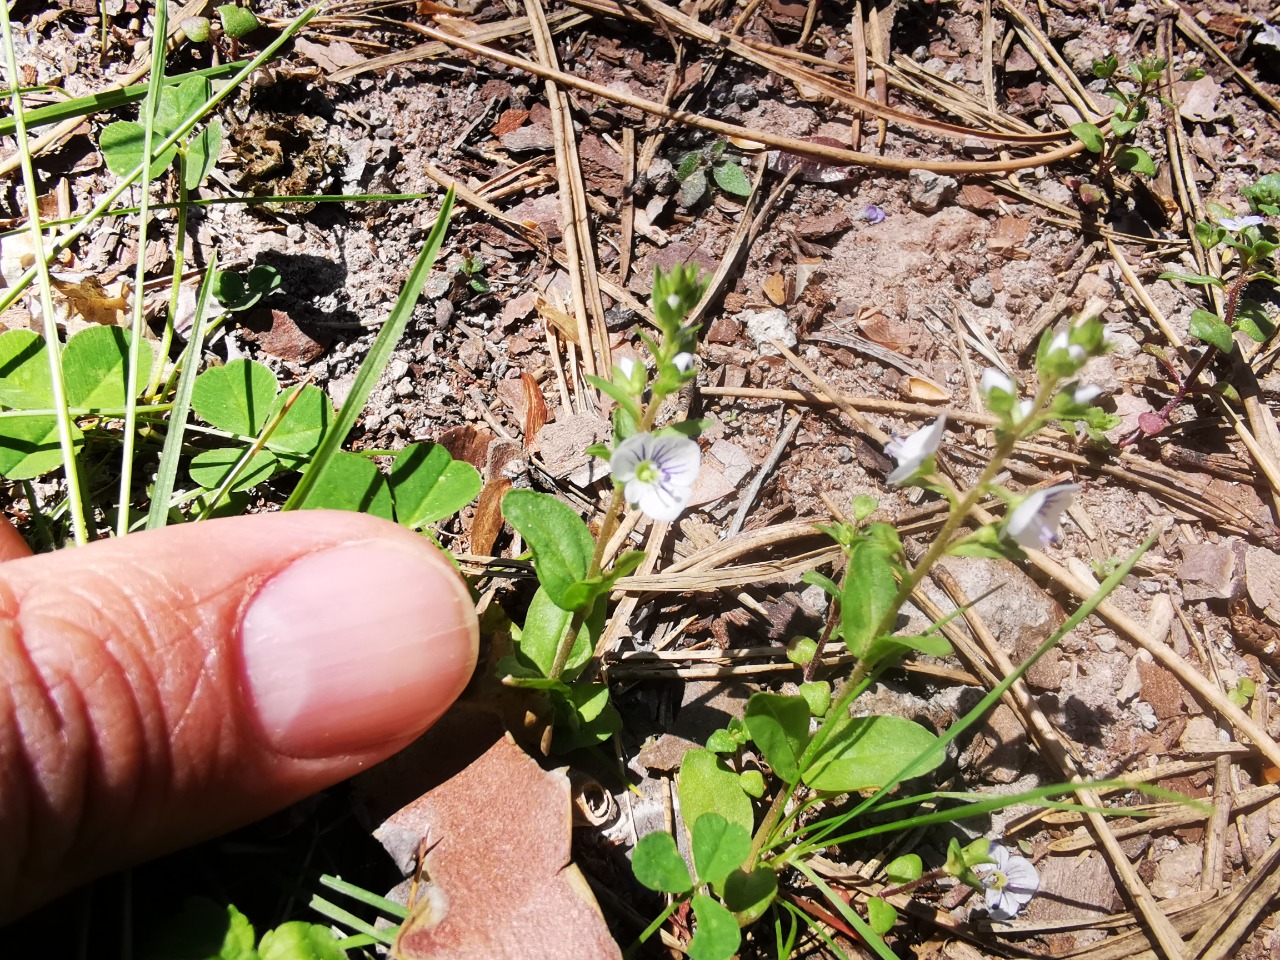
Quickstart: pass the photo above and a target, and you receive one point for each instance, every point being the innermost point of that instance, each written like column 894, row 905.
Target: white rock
column 765, row 325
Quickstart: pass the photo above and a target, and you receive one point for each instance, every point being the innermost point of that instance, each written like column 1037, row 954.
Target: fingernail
column 354, row 646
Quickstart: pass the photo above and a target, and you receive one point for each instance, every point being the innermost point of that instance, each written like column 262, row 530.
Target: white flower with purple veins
column 1239, row 223
column 683, row 361
column 657, row 472
column 1034, row 522
column 993, row 380
column 1008, row 884
column 1084, row 394
column 914, row 451
column 1074, row 350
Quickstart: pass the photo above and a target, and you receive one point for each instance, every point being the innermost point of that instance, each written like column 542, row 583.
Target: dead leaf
column 778, row 288
column 276, row 334
column 89, row 300
column 535, row 410
column 330, row 57
column 468, row 443
column 895, row 335
column 922, row 390
column 486, row 523
column 500, row 882
column 508, row 120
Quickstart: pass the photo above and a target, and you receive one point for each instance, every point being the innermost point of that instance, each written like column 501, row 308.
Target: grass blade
column 79, row 527
column 376, row 361
column 150, row 105
column 167, row 473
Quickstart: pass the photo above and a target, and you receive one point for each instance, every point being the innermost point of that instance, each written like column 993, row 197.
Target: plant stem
column 180, row 239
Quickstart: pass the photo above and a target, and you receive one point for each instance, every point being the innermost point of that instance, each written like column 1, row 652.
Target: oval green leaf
column 716, row 935
column 93, row 368
column 429, row 485
column 868, row 752
column 707, row 785
column 780, row 727
column 24, row 371
column 561, row 544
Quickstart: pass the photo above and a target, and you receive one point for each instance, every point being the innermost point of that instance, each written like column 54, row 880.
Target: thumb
column 165, row 687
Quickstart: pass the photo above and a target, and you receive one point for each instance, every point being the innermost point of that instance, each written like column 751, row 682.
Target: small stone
column 928, row 192
column 404, row 387
column 397, row 368
column 765, row 325
column 294, row 232
column 744, row 94
column 981, row 291
column 662, row 177
column 1207, row 572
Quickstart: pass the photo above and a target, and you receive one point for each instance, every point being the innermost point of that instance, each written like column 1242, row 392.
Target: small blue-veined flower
column 1074, row 350
column 914, row 451
column 1083, row 394
column 657, row 472
column 1034, row 522
column 1008, row 884
column 683, row 361
column 1239, row 223
column 873, row 214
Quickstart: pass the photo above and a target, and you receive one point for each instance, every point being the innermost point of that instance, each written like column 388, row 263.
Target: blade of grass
column 159, row 42
column 382, row 904
column 167, row 473
column 79, row 527
column 376, row 361
column 109, row 99
column 334, row 913
column 62, row 243
column 869, row 936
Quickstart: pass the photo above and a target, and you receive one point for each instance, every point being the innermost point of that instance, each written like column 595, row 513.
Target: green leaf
column 561, row 543
column 689, row 163
column 202, row 153
column 24, row 371
column 196, row 29
column 748, row 895
column 1200, row 278
column 869, row 592
column 429, row 485
column 585, row 719
column 718, row 848
column 546, row 623
column 716, row 935
column 829, row 586
column 817, row 695
column 237, row 291
column 1122, row 128
column 301, row 431
column 802, row 650
column 1253, row 321
column 752, row 780
column 237, row 22
column 905, row 869
column 658, row 865
column 934, row 644
column 30, row 448
column 692, row 189
column 780, row 728
column 867, row 752
column 1209, row 327
column 202, row 930
column 298, row 940
column 1209, row 234
column 93, row 368
column 731, row 178
column 121, row 144
column 353, row 483
column 721, row 741
column 707, row 785
column 1089, row 135
column 1135, row 160
column 209, row 468
column 881, row 916
column 236, row 397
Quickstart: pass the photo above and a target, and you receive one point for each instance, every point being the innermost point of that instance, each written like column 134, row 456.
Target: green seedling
column 208, row 931
column 472, row 267
column 1244, row 691
column 653, row 469
column 240, row 291
column 698, row 169
column 1252, row 244
column 122, row 141
column 1113, row 145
